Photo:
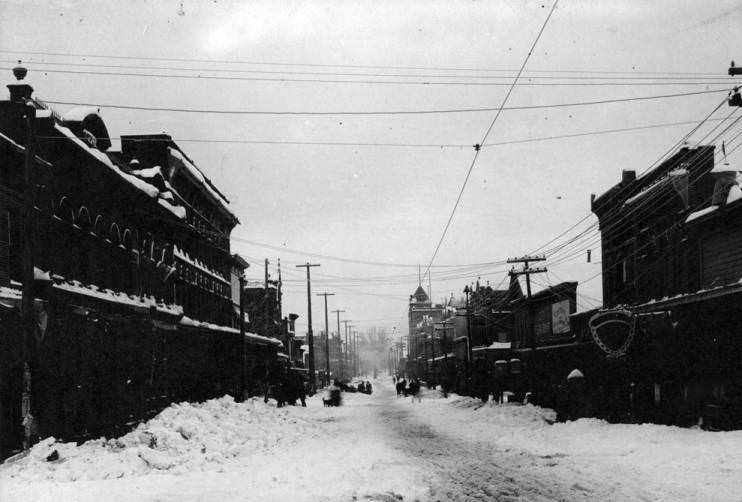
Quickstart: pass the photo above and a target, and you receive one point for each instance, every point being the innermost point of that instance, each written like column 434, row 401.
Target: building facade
column 132, row 276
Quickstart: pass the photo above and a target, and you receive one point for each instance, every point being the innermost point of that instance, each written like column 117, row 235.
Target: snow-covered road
column 383, row 448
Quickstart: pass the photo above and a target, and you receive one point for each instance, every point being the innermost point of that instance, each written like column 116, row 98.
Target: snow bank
column 183, row 438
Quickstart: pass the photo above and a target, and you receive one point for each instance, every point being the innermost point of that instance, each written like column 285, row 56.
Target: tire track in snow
column 470, row 471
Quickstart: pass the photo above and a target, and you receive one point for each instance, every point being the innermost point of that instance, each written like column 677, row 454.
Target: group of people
column 403, row 389
column 365, row 387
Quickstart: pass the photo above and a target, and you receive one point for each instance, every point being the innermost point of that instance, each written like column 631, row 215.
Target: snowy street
column 381, row 447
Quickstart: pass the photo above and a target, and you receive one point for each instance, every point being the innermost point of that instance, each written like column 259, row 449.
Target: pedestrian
column 415, row 390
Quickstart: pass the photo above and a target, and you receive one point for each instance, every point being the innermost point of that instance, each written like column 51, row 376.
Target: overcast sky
column 390, row 204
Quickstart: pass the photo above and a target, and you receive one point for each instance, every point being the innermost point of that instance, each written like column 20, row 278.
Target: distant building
column 422, row 315
column 263, row 304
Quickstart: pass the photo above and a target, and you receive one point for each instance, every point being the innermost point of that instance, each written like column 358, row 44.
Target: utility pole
column 357, row 355
column 346, row 352
column 243, row 344
column 444, row 341
column 527, row 271
column 266, row 303
column 468, row 338
column 310, row 335
column 327, row 339
column 339, row 352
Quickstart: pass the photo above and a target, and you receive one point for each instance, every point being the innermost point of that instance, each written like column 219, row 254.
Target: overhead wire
column 618, row 220
column 387, row 112
column 325, row 65
column 477, row 149
column 670, row 228
column 665, row 155
column 416, row 145
column 427, row 83
column 200, row 70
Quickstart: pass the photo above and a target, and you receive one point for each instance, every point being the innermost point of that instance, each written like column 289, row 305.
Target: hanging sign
column 613, row 331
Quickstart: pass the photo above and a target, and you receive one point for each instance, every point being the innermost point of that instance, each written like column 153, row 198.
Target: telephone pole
column 346, row 353
column 310, row 335
column 358, row 356
column 327, row 339
column 341, row 369
column 243, row 344
column 527, row 271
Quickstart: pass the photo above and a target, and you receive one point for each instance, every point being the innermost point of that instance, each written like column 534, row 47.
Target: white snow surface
column 380, row 447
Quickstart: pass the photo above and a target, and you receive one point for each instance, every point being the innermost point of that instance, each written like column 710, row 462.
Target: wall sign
column 613, row 331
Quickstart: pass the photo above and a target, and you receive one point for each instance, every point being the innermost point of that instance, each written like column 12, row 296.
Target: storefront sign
column 560, row 317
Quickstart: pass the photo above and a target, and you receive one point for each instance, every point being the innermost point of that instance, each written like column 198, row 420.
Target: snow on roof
column 178, row 211
column 735, row 193
column 41, row 275
column 680, row 171
column 195, row 262
column 499, row 345
column 724, row 167
column 79, row 113
column 651, row 188
column 187, row 321
column 9, row 297
column 120, row 298
column 703, row 212
column 205, row 183
column 444, row 356
column 134, row 181
column 15, row 145
column 143, row 186
column 150, row 172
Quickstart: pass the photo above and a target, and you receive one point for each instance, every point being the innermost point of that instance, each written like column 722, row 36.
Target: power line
column 477, row 148
column 201, row 76
column 615, row 221
column 385, row 112
column 651, row 166
column 347, row 260
column 669, row 198
column 418, row 145
column 674, row 78
column 318, row 65
column 345, row 81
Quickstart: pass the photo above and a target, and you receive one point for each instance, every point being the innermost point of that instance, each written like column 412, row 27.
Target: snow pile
column 183, row 438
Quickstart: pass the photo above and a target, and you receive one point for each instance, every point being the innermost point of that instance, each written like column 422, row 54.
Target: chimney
column 627, row 177
column 20, row 91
